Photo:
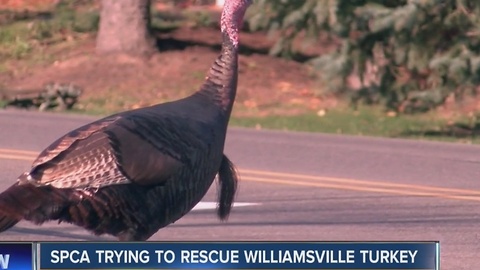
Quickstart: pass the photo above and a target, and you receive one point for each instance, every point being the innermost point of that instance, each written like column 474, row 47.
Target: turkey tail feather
column 227, row 177
column 37, row 204
column 6, row 222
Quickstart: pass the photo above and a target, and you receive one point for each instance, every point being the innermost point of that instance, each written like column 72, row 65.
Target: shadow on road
column 326, row 223
column 55, row 232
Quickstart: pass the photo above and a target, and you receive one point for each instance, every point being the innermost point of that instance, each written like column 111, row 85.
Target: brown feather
column 66, row 141
column 86, row 163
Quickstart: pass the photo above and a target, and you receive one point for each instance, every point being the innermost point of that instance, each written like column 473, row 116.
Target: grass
column 24, row 38
column 368, row 121
column 14, row 41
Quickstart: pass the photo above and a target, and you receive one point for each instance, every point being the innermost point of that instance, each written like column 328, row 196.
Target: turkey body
column 132, row 173
column 122, row 175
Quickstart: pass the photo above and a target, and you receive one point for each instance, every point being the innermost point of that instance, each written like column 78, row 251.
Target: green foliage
column 291, row 17
column 66, row 19
column 18, row 38
column 86, row 22
column 14, row 41
column 165, row 21
column 371, row 121
column 199, row 18
column 410, row 55
column 168, row 20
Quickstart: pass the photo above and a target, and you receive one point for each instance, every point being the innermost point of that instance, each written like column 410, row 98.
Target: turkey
column 132, row 173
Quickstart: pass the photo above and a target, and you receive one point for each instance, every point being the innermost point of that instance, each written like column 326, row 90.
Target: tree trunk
column 124, row 27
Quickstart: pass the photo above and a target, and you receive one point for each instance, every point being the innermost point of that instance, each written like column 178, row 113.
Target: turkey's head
column 232, row 17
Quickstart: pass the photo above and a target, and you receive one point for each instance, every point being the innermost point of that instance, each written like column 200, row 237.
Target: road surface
column 298, row 186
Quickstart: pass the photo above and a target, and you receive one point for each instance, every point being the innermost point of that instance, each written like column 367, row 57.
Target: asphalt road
column 299, row 186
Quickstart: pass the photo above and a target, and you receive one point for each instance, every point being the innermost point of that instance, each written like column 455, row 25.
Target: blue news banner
column 220, row 255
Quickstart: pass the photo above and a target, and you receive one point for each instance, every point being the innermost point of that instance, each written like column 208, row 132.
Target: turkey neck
column 221, row 82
